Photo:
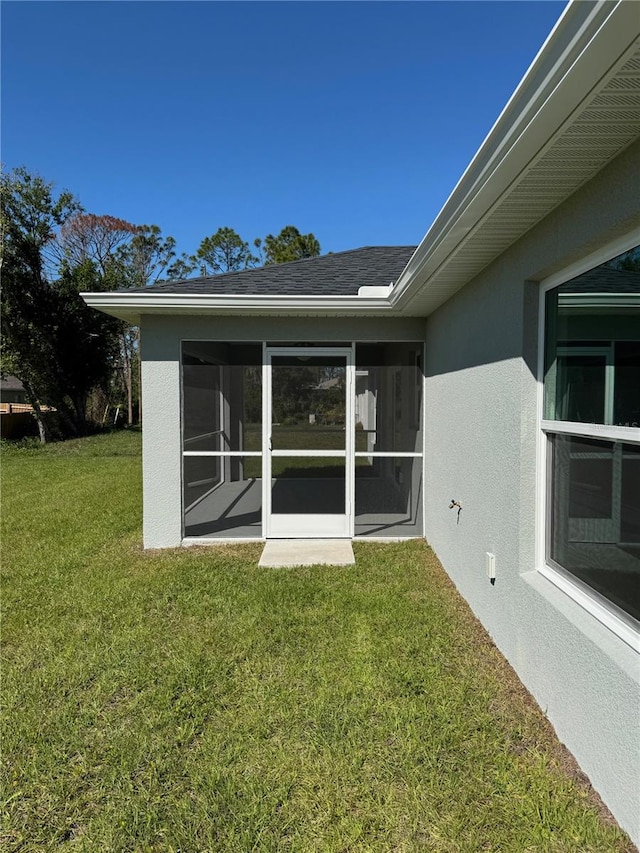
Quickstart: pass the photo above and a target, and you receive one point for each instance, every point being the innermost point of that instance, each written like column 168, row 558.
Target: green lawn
column 190, row 701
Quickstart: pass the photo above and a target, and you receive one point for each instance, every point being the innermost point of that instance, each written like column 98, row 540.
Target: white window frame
column 587, row 598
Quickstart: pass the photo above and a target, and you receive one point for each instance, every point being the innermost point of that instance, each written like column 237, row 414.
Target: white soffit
column 517, row 186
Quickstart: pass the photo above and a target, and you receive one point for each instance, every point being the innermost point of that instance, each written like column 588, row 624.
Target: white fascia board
column 130, row 306
column 587, row 41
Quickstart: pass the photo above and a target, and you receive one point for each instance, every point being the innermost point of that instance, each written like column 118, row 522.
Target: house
column 16, row 419
column 12, row 390
column 495, row 368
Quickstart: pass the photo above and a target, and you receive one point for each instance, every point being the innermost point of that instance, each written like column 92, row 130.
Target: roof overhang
column 577, row 107
column 131, row 306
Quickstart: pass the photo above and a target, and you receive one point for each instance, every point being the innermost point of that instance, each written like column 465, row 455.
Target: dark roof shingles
column 336, row 274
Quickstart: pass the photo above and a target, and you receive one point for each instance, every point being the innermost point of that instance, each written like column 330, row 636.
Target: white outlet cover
column 490, row 562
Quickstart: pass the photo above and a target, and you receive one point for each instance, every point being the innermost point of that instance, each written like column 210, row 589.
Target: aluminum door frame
column 309, row 526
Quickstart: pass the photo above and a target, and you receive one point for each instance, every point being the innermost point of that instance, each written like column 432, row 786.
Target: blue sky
column 353, row 120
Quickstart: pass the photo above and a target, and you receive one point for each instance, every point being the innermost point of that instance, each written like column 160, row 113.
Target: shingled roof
column 337, row 274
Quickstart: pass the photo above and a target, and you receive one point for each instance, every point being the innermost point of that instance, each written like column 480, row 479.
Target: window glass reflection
column 595, row 516
column 592, row 359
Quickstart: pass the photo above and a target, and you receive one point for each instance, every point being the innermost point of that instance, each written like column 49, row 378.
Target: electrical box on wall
column 490, row 562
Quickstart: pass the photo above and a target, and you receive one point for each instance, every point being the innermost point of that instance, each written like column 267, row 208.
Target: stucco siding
column 480, row 449
column 161, row 459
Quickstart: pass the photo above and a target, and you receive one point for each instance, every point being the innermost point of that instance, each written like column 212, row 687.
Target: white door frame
column 308, row 526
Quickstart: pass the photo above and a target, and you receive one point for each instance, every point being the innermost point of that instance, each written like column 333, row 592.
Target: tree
column 52, row 341
column 224, row 251
column 85, row 341
column 89, row 236
column 143, row 259
column 106, row 241
column 290, row 245
column 629, row 261
column 181, row 268
column 126, row 255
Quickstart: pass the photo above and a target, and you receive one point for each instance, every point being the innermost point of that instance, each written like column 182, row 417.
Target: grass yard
column 190, row 701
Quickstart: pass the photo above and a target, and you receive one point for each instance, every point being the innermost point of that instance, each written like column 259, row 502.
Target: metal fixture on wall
column 455, row 503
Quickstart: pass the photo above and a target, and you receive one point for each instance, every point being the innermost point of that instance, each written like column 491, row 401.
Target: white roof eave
column 131, row 306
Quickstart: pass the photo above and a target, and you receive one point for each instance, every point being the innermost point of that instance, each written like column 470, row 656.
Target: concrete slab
column 280, row 553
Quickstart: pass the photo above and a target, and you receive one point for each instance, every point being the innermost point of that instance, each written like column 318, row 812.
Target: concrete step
column 280, row 553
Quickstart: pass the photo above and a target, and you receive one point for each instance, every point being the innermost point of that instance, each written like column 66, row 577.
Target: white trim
column 222, row 453
column 341, row 454
column 589, row 602
column 311, row 526
column 592, row 602
column 131, row 306
column 351, row 486
column 388, row 453
column 595, row 259
column 603, row 432
column 239, row 302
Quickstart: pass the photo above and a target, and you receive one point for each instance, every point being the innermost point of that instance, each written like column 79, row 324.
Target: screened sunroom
column 301, row 441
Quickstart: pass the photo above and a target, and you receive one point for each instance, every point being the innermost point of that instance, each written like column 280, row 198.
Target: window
column 591, row 424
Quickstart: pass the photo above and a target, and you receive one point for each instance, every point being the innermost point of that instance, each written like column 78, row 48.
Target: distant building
column 12, row 390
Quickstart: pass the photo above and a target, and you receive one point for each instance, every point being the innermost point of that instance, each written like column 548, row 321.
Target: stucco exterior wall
column 161, row 339
column 480, row 449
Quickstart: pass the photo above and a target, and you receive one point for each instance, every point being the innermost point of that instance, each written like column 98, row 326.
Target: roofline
column 131, row 306
column 242, row 272
column 582, row 47
column 588, row 40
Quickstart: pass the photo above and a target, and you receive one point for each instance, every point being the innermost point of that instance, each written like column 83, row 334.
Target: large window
column 592, row 424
